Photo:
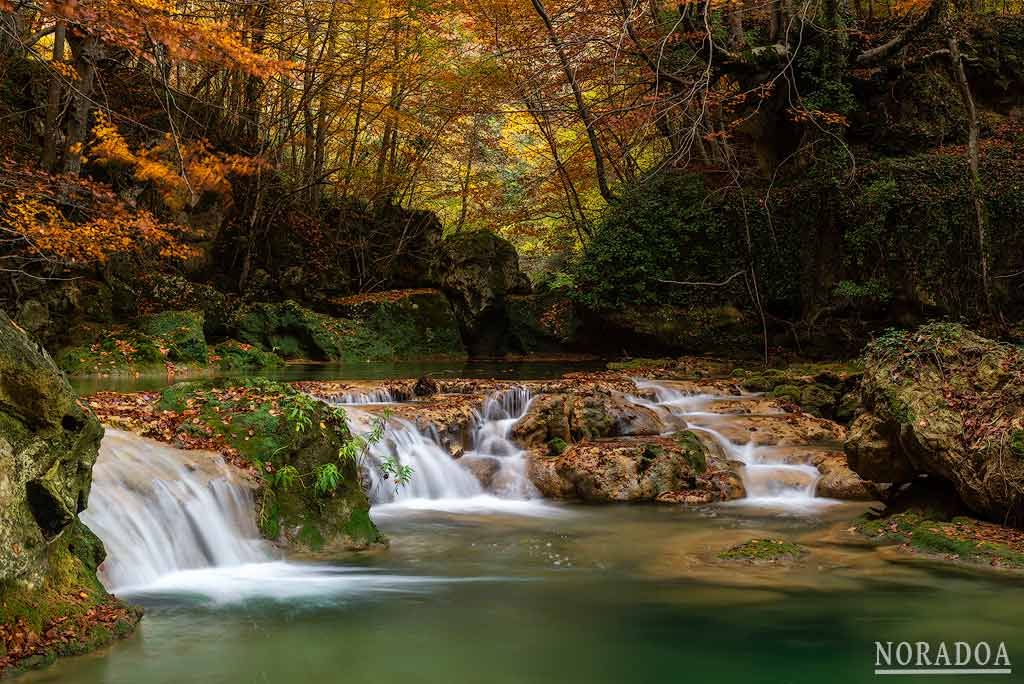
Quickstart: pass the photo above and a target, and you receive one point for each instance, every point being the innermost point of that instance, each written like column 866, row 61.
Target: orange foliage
column 138, row 25
column 67, row 219
column 180, row 172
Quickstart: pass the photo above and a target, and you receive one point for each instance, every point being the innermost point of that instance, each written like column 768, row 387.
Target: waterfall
column 160, row 510
column 492, row 442
column 436, row 475
column 441, row 481
column 374, row 396
column 766, row 479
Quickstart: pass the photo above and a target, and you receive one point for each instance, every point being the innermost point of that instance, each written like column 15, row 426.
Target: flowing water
column 769, row 479
column 160, row 511
column 504, row 587
column 440, row 482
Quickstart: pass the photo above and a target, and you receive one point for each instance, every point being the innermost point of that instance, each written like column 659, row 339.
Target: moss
column 962, row 538
column 1017, row 443
column 639, row 364
column 694, row 450
column 557, row 446
column 409, row 327
column 764, row 550
column 71, row 595
column 274, row 426
column 181, row 333
column 172, row 336
column 236, row 356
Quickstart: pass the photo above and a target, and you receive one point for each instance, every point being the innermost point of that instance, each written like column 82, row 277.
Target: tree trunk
column 581, row 105
column 86, row 51
column 975, row 171
column 50, row 132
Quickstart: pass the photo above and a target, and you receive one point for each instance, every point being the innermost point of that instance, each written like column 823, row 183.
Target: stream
column 508, row 587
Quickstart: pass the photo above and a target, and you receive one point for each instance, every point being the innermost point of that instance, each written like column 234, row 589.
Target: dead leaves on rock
column 62, row 633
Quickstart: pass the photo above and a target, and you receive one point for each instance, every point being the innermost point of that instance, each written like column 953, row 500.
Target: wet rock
column 426, row 386
column 484, row 468
column 839, row 482
column 671, row 470
column 587, row 413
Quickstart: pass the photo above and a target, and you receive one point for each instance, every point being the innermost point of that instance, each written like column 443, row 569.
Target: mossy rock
column 404, row 323
column 277, row 428
column 945, row 402
column 48, row 558
column 182, row 334
column 556, row 446
column 237, row 356
column 115, row 351
column 421, row 325
column 960, row 539
column 764, row 551
column 168, row 337
column 694, row 451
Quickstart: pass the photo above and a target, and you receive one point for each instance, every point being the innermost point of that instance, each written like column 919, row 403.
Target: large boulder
column 478, row 271
column 48, row 558
column 589, row 412
column 675, row 469
column 946, row 403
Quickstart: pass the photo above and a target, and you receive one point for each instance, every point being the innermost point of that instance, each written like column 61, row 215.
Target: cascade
column 766, row 478
column 161, row 510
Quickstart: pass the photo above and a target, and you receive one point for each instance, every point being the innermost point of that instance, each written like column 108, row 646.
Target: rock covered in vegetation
column 310, row 493
column 826, row 390
column 945, row 402
column 676, row 469
column 764, row 551
column 478, row 271
column 408, row 322
column 233, row 355
column 960, row 539
column 48, row 558
column 163, row 341
column 382, row 326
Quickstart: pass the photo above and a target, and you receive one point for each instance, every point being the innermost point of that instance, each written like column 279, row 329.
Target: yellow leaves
column 70, row 219
column 180, row 171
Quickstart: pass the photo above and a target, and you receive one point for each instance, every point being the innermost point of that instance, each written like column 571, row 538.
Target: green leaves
column 328, row 477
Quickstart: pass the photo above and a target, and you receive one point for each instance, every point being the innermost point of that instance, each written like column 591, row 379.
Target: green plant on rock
column 328, row 477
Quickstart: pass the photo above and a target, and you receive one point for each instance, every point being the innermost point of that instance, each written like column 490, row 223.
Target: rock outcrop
column 676, row 469
column 945, row 403
column 478, row 271
column 48, row 558
column 384, row 325
column 591, row 411
column 310, row 495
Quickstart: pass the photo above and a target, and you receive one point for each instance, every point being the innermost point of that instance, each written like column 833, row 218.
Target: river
column 513, row 588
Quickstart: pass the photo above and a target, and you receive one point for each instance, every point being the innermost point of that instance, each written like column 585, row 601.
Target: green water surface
column 580, row 594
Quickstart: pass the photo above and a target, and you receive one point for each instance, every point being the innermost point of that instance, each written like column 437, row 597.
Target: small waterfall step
column 768, row 476
column 436, row 475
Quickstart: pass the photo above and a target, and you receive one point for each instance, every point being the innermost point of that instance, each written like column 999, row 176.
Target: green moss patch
column 960, row 539
column 69, row 614
column 238, row 356
column 171, row 337
column 764, row 550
